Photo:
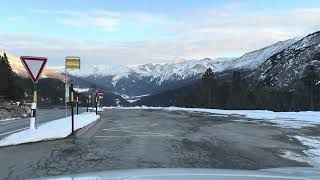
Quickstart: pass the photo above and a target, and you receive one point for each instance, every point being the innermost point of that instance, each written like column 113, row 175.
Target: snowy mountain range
column 277, row 65
column 152, row 78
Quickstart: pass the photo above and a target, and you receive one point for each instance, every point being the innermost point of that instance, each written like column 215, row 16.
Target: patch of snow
column 118, row 102
column 56, row 129
column 7, row 119
column 313, row 152
column 294, row 156
column 132, row 100
column 281, row 119
column 81, row 90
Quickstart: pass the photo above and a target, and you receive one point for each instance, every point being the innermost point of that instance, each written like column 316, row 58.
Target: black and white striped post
column 33, row 123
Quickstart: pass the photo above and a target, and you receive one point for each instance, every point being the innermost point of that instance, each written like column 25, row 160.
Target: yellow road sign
column 72, row 63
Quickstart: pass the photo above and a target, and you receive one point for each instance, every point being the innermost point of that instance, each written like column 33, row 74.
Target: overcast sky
column 119, row 32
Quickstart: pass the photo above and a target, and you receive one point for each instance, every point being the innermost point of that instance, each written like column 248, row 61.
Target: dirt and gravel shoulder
column 9, row 110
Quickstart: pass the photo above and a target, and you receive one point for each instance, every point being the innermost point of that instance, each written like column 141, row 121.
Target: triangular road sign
column 34, row 66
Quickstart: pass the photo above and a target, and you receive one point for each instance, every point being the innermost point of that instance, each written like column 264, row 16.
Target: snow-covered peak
column 177, row 70
column 253, row 59
column 309, row 40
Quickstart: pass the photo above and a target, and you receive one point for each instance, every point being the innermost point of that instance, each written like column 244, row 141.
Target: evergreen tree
column 207, row 80
column 9, row 89
column 236, row 90
column 310, row 78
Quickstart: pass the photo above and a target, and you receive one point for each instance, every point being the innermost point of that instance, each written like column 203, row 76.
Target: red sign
column 100, row 93
column 34, row 66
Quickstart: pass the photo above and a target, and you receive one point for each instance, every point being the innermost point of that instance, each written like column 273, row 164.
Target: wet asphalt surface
column 126, row 139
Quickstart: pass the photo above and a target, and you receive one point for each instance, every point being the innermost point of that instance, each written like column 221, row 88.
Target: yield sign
column 34, row 66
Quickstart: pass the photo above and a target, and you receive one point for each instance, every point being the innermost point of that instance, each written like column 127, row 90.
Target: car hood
column 201, row 174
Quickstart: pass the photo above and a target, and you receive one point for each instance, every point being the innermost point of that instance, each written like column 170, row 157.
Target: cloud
column 103, row 23
column 102, row 19
column 15, row 18
column 196, row 34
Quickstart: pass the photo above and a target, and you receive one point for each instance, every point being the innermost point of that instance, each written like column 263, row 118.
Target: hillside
column 287, row 80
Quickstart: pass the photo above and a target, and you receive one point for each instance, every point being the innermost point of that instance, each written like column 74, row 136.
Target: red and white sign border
column 25, row 58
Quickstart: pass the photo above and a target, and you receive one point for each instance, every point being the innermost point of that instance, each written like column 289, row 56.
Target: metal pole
column 33, row 124
column 77, row 105
column 66, row 86
column 93, row 99
column 88, row 104
column 96, row 103
column 72, row 113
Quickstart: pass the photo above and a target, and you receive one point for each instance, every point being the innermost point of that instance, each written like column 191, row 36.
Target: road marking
column 112, row 121
column 13, row 119
column 150, row 133
column 137, row 135
column 7, row 123
column 17, row 130
column 10, row 132
column 126, row 127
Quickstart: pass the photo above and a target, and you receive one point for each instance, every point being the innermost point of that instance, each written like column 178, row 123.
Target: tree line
column 236, row 93
column 9, row 86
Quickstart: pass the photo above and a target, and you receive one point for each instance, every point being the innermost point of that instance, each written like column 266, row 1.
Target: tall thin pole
column 88, row 104
column 66, row 96
column 209, row 97
column 96, row 103
column 71, row 103
column 77, row 105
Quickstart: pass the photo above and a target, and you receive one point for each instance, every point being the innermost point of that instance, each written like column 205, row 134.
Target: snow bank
column 99, row 109
column 282, row 119
column 313, row 153
column 56, row 129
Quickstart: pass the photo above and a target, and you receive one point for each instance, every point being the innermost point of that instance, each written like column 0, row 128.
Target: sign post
column 100, row 98
column 34, row 67
column 71, row 104
column 96, row 102
column 77, row 101
column 70, row 63
column 88, row 102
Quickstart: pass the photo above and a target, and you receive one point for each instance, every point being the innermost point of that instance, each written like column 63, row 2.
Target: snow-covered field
column 281, row 119
column 294, row 120
column 56, row 129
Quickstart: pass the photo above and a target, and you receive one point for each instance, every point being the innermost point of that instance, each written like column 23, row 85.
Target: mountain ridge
column 155, row 77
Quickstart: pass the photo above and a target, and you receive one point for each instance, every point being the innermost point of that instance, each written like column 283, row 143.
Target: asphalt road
column 126, row 139
column 8, row 127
